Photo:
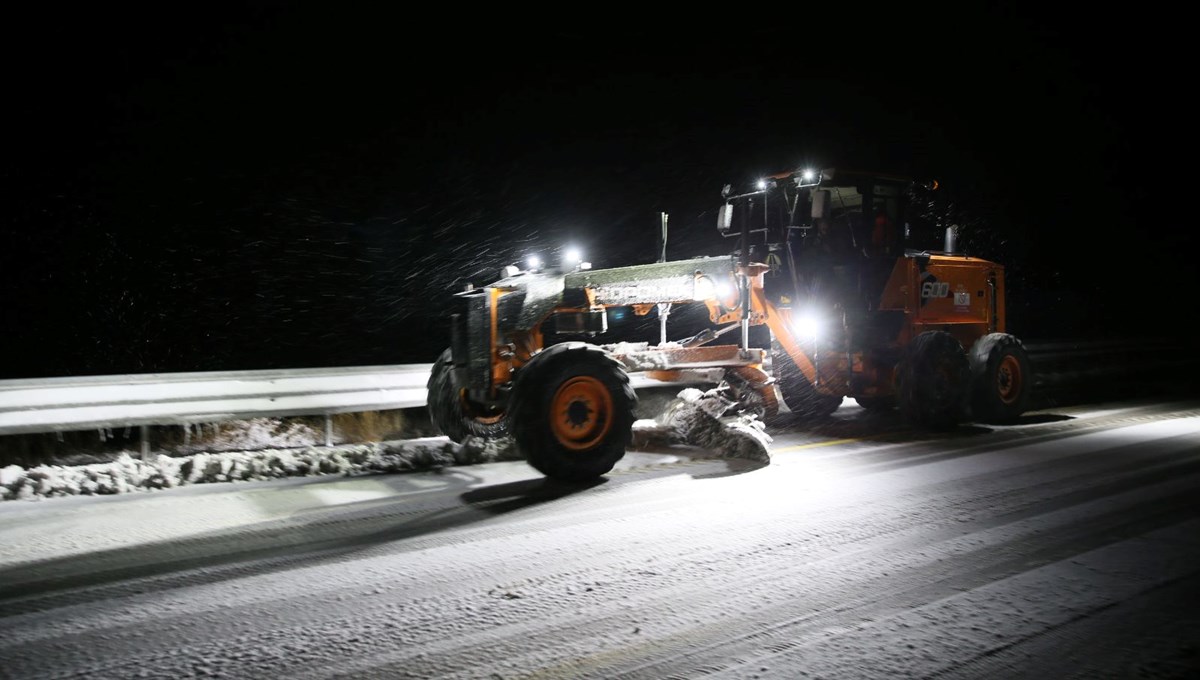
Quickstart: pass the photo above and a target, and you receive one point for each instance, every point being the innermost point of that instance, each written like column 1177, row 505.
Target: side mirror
column 820, row 204
column 725, row 219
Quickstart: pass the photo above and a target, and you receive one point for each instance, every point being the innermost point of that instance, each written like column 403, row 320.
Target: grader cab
column 822, row 260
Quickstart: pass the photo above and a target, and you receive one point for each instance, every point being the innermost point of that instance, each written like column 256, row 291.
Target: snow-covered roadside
column 696, row 418
column 128, row 473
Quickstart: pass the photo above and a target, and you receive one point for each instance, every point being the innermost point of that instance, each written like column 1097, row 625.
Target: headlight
column 573, row 256
column 703, row 289
column 808, row 325
column 534, row 262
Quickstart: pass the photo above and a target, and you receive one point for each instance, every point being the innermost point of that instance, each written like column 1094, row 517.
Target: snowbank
column 127, row 474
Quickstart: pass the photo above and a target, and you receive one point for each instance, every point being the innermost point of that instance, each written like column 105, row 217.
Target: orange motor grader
column 824, row 261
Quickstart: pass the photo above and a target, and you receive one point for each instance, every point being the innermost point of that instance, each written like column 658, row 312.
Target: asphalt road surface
column 1065, row 546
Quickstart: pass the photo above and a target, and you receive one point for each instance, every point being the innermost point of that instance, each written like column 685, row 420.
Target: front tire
column 452, row 413
column 1001, row 379
column 933, row 380
column 571, row 412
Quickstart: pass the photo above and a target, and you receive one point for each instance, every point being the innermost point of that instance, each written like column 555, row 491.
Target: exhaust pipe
column 951, row 245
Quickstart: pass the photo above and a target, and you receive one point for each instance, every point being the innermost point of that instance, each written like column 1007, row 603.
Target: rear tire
column 452, row 413
column 934, row 379
column 877, row 403
column 1001, row 379
column 798, row 393
column 571, row 412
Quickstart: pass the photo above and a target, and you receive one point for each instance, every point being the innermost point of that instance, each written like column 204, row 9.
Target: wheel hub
column 1008, row 379
column 581, row 412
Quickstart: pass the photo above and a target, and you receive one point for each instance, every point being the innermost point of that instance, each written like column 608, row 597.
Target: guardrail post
column 145, row 431
column 328, row 430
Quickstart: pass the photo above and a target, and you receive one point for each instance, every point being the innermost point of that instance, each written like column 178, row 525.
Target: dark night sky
column 266, row 186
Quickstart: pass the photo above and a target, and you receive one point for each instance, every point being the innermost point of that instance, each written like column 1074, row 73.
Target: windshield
column 858, row 211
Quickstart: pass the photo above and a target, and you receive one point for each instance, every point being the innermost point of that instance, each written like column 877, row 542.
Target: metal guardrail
column 65, row 404
column 142, row 400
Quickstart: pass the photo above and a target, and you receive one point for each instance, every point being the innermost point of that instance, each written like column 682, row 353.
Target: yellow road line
column 831, row 442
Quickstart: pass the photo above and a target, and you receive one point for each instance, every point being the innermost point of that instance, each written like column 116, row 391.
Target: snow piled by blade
column 708, row 419
column 127, row 474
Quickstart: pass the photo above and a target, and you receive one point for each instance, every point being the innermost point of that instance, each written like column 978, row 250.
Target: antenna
column 664, row 308
column 662, row 257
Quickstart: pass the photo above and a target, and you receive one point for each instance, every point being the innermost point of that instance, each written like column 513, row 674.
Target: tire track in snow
column 532, row 615
column 626, row 515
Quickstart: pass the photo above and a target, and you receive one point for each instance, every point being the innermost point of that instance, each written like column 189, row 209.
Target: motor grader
column 824, row 260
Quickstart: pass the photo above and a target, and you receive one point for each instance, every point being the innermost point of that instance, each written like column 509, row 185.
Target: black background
column 276, row 185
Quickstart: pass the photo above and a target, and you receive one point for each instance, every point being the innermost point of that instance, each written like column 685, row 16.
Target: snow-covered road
column 1067, row 546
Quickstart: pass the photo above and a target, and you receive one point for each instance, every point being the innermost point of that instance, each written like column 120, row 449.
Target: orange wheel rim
column 1008, row 379
column 474, row 412
column 581, row 413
